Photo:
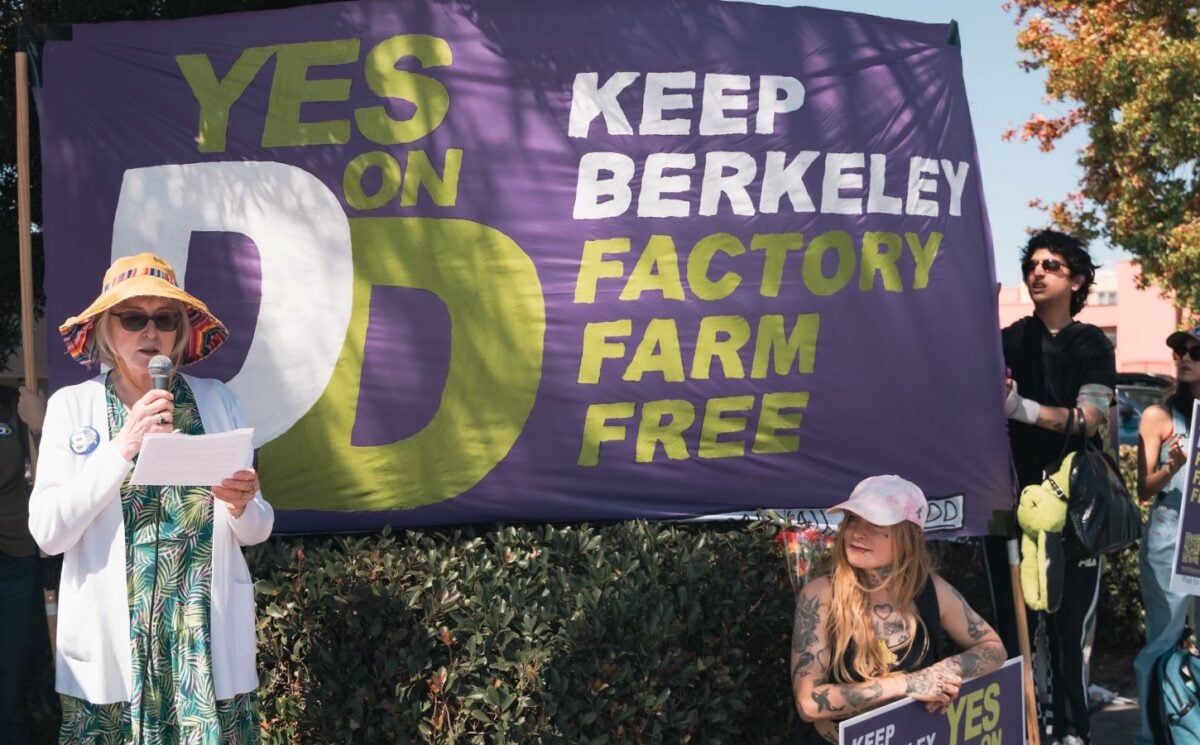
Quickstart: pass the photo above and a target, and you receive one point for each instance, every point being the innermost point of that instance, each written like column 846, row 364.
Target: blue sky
column 1001, row 96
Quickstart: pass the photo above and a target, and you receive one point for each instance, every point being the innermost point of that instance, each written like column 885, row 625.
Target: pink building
column 1137, row 321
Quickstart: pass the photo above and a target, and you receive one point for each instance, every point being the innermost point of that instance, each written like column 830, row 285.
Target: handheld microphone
column 159, row 369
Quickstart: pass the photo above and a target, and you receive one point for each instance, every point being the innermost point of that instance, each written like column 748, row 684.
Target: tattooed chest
column 890, row 627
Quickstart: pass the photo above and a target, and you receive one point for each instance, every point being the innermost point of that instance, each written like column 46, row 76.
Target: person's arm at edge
column 1155, row 427
column 1094, row 399
column 814, row 697
column 983, row 651
column 31, row 408
column 1055, row 418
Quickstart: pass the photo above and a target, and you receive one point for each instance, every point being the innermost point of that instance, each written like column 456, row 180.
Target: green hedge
column 632, row 633
column 626, row 633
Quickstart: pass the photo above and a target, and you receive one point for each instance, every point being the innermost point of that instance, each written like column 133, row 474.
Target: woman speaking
column 156, row 632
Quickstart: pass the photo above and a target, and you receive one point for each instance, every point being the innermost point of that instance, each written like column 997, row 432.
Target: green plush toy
column 1042, row 514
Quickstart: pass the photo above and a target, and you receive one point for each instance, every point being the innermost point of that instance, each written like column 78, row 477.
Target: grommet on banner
column 5, row 429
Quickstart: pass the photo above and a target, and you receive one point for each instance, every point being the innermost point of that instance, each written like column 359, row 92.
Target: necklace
column 889, row 657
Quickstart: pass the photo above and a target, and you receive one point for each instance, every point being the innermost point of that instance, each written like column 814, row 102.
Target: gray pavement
column 1116, row 724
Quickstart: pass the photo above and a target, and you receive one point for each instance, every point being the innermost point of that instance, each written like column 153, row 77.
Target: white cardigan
column 75, row 510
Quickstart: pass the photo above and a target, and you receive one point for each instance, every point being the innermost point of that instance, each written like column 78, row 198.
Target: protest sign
column 1185, row 567
column 989, row 710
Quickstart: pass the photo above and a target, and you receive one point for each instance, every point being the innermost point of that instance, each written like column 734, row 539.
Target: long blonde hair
column 850, row 614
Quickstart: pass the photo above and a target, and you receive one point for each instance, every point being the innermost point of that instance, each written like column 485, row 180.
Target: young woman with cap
column 870, row 632
column 156, row 632
column 1162, row 476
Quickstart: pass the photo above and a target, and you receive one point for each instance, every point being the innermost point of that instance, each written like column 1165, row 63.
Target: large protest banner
column 515, row 260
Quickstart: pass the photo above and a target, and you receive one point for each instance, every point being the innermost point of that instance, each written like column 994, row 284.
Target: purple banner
column 520, row 261
column 989, row 710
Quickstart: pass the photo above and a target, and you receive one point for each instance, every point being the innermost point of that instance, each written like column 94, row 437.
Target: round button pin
column 84, row 440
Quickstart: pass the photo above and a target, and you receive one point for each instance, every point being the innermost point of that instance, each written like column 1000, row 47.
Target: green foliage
column 10, row 276
column 627, row 633
column 633, row 632
column 1128, row 73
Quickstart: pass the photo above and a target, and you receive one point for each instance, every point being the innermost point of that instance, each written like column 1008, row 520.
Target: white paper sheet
column 194, row 460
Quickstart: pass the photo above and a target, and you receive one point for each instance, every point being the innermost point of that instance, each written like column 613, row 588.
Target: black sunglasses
column 1192, row 353
column 135, row 320
column 1049, row 265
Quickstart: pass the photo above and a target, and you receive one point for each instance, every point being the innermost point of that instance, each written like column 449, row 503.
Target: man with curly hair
column 1059, row 365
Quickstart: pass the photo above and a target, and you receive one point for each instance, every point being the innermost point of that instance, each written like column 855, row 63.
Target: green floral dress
column 173, row 697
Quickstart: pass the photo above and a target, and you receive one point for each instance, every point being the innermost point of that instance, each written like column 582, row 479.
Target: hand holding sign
column 936, row 685
column 985, row 707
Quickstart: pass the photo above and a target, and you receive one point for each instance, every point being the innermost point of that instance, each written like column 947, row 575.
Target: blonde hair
column 850, row 612
column 104, row 345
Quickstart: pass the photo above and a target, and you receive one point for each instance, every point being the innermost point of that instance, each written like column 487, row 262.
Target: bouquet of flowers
column 806, row 551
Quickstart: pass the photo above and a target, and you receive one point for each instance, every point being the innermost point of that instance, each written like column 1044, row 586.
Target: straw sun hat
column 143, row 275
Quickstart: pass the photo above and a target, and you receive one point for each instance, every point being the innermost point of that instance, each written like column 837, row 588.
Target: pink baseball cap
column 886, row 500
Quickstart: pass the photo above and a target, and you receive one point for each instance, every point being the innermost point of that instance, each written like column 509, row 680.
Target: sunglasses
column 135, row 320
column 1192, row 353
column 1048, row 265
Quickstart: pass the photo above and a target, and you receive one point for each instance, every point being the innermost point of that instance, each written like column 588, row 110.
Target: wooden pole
column 25, row 251
column 1033, row 734
column 24, row 242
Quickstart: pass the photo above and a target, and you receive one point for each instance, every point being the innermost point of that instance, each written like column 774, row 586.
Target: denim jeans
column 20, row 591
column 1166, row 611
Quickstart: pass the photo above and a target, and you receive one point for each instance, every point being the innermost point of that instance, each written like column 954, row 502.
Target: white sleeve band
column 1027, row 411
column 1011, row 400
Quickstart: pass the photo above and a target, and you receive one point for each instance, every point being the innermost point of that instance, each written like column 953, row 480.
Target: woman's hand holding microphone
column 153, row 412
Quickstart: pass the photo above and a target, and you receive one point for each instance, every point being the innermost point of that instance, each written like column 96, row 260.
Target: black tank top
column 918, row 657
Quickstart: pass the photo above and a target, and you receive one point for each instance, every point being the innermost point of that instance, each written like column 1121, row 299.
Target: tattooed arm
column 983, row 651
column 816, row 698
